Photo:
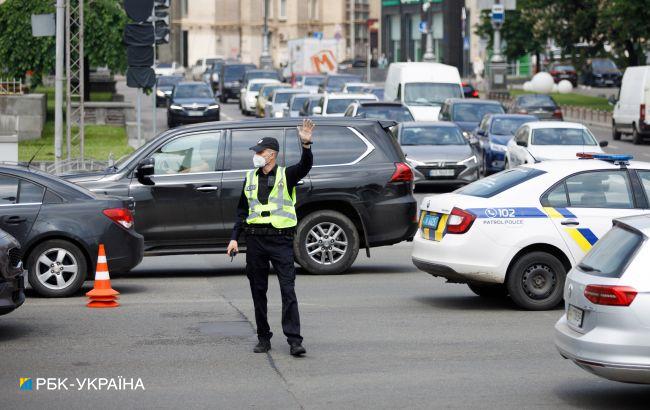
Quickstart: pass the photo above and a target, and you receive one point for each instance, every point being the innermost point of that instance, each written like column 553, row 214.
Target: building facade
column 403, row 39
column 234, row 28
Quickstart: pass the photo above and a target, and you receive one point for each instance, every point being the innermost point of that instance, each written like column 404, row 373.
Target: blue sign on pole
column 498, row 14
column 423, row 27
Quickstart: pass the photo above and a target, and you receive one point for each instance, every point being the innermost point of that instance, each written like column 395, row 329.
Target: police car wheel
column 56, row 268
column 488, row 291
column 327, row 242
column 536, row 281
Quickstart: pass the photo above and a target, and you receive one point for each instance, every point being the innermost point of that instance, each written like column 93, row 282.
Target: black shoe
column 296, row 349
column 263, row 346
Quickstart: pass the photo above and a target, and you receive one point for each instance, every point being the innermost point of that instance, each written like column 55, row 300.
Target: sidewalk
column 131, row 95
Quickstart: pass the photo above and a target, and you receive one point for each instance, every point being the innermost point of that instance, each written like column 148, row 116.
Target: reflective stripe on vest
column 280, row 206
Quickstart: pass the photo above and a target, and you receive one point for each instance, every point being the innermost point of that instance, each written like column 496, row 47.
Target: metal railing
column 11, row 86
column 74, row 165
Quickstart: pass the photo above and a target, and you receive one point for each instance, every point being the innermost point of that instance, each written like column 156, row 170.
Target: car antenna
column 534, row 159
column 34, row 156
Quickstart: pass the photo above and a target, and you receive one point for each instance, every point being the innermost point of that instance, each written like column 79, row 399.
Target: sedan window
column 8, row 190
column 19, row 191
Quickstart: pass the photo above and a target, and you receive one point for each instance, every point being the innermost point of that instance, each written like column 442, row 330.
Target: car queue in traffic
column 535, row 195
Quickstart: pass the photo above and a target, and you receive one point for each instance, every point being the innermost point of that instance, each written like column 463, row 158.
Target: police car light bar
column 605, row 157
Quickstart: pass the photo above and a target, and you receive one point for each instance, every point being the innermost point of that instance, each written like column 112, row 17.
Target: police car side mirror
column 522, row 143
column 603, row 144
column 145, row 170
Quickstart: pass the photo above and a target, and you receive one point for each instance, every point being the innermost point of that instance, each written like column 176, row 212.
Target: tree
column 624, row 24
column 20, row 52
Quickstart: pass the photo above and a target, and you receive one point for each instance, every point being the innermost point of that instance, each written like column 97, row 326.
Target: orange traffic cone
column 102, row 295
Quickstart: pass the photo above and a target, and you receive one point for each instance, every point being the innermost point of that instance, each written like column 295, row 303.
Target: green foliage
column 624, row 23
column 20, row 52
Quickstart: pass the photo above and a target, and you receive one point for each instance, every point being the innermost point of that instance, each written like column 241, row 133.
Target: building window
column 271, row 8
column 313, row 9
column 184, row 8
column 415, row 46
column 282, row 12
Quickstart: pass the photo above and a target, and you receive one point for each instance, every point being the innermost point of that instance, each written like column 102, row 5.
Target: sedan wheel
column 56, row 268
column 536, row 281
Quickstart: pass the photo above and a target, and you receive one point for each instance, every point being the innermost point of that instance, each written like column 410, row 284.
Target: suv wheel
column 56, row 268
column 536, row 281
column 327, row 242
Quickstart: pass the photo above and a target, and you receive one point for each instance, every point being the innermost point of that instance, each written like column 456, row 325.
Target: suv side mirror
column 145, row 170
column 612, row 100
column 317, row 110
column 522, row 143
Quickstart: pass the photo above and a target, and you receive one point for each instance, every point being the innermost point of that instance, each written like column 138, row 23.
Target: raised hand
column 305, row 130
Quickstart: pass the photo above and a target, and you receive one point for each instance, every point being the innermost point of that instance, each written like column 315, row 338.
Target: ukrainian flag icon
column 25, row 383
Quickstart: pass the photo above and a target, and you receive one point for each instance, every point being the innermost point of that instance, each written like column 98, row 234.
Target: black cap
column 266, row 142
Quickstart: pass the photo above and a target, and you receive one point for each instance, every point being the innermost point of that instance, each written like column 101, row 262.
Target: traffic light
column 139, row 37
column 161, row 21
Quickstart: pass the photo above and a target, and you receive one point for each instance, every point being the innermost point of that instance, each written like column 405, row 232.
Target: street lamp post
column 429, row 55
column 266, row 62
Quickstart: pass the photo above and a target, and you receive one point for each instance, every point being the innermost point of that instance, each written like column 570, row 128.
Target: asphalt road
column 382, row 336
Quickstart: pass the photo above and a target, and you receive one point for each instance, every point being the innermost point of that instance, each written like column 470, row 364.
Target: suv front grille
column 15, row 257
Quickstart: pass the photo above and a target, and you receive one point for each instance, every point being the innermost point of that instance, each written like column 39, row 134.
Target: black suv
column 230, row 80
column 187, row 183
column 12, row 284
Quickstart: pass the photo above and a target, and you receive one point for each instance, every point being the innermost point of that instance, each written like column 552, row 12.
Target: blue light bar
column 605, row 157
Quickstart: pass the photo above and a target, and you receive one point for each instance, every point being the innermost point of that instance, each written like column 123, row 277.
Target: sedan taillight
column 120, row 216
column 610, row 295
column 557, row 114
column 460, row 221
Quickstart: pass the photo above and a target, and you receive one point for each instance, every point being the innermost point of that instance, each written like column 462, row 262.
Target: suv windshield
column 266, row 91
column 262, row 74
column 474, row 112
column 235, row 72
column 562, row 136
column 256, row 86
column 297, row 103
column 603, row 65
column 497, row 183
column 610, row 255
column 432, row 136
column 337, row 82
column 313, row 81
column 430, row 93
column 339, row 105
column 282, row 98
column 168, row 81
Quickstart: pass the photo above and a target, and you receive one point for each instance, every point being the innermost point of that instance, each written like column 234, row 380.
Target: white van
column 629, row 115
column 423, row 87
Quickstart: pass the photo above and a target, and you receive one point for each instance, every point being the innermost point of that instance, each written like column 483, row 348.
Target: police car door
column 583, row 205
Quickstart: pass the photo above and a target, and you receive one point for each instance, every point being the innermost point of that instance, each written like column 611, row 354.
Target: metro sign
column 324, row 61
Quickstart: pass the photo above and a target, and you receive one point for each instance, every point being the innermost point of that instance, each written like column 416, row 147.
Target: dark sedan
column 60, row 226
column 468, row 113
column 164, row 86
column 192, row 102
column 541, row 106
column 12, row 285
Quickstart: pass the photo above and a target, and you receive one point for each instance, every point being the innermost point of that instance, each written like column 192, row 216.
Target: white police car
column 520, row 231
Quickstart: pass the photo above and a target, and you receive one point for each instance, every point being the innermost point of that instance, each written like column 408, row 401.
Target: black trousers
column 278, row 250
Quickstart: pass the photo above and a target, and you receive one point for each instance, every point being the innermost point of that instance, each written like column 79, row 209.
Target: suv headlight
column 160, row 93
column 468, row 161
column 175, row 107
column 213, row 107
column 497, row 147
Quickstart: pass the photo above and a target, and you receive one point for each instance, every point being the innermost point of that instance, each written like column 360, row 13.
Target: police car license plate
column 195, row 113
column 431, row 221
column 575, row 316
column 441, row 173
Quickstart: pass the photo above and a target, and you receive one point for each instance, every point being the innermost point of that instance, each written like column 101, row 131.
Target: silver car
column 439, row 151
column 296, row 102
column 606, row 326
column 279, row 99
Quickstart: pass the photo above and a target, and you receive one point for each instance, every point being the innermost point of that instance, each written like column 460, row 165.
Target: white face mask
column 258, row 161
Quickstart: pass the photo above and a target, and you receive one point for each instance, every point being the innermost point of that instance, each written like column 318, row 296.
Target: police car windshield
column 432, row 136
column 562, row 136
column 507, row 126
column 497, row 183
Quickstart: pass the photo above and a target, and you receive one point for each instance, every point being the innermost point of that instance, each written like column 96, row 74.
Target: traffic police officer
column 267, row 215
